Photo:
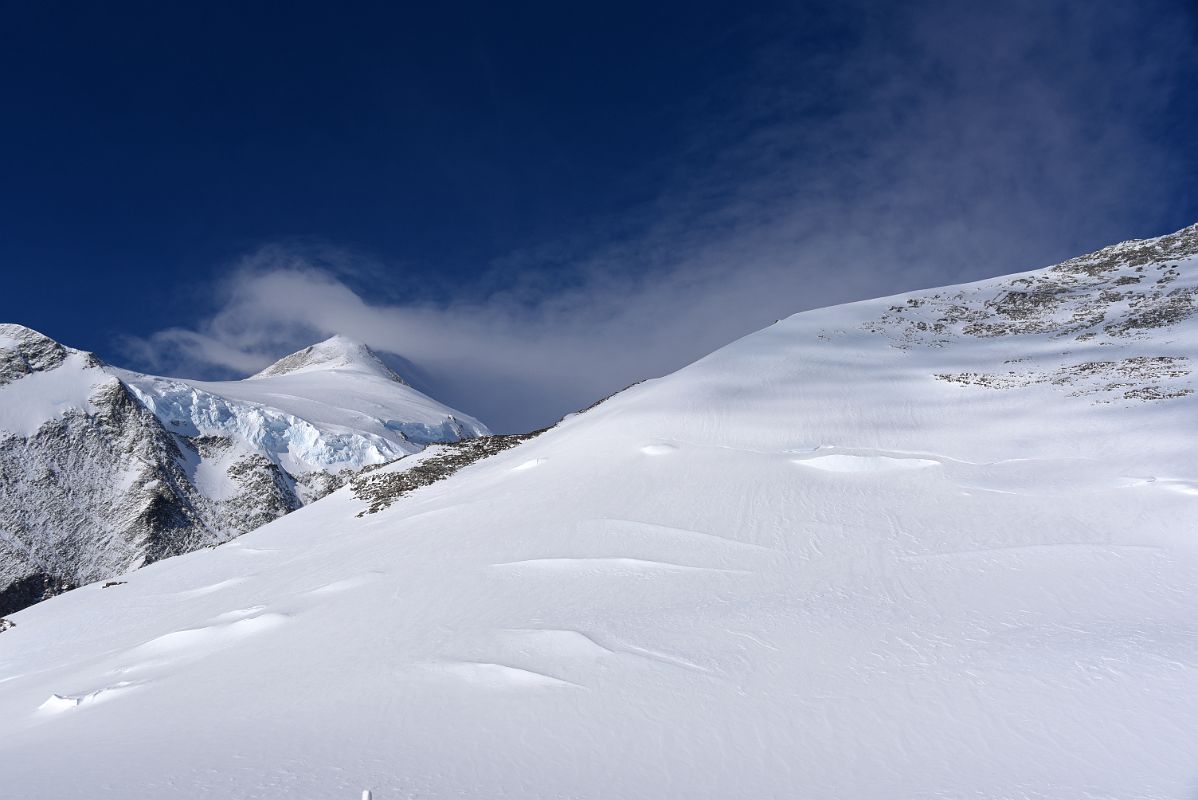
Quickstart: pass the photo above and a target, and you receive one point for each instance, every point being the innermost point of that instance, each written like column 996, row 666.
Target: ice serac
column 939, row 545
column 103, row 470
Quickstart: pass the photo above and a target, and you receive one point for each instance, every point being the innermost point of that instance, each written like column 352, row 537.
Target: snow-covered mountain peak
column 24, row 351
column 335, row 353
column 12, row 334
column 103, row 469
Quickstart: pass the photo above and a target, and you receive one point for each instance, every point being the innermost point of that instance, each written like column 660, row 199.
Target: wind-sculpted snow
column 806, row 566
column 103, row 470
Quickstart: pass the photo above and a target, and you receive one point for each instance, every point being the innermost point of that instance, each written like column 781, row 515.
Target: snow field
column 804, row 566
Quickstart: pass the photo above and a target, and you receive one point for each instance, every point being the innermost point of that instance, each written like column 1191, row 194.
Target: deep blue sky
column 182, row 185
column 147, row 145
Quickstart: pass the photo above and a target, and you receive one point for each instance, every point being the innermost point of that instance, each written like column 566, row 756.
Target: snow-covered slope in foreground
column 945, row 551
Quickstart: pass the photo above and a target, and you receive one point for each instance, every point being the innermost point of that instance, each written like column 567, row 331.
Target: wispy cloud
column 946, row 142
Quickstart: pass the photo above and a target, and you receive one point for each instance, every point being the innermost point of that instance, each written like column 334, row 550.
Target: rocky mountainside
column 103, row 470
column 940, row 545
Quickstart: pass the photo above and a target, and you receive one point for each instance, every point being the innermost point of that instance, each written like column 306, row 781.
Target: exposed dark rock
column 33, row 352
column 1135, row 378
column 1155, row 393
column 1092, row 297
column 30, row 589
column 1156, row 311
column 380, row 490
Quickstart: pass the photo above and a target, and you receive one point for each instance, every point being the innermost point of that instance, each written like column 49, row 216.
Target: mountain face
column 932, row 546
column 103, row 470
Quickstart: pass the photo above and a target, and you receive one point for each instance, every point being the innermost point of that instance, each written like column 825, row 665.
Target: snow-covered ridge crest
column 104, row 469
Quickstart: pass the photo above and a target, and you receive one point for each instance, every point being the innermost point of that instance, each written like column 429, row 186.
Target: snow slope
column 937, row 546
column 103, row 469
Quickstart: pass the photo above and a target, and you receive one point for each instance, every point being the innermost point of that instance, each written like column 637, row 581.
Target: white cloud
column 948, row 145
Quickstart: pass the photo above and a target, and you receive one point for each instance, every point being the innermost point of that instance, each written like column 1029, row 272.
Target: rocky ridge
column 1104, row 308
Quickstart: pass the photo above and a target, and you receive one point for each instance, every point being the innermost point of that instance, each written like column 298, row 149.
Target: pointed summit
column 12, row 335
column 335, row 353
column 24, row 351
